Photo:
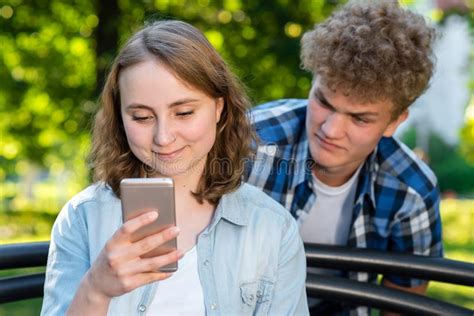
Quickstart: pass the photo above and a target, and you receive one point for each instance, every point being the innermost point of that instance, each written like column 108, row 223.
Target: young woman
column 171, row 107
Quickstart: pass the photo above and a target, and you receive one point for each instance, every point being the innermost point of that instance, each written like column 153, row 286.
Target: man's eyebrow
column 320, row 96
column 133, row 106
column 372, row 114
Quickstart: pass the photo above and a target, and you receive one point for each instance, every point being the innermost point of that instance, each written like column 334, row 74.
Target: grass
column 458, row 235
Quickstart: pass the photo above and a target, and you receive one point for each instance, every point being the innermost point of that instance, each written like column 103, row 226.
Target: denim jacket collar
column 231, row 208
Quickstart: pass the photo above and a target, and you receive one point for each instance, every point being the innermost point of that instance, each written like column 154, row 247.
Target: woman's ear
column 219, row 108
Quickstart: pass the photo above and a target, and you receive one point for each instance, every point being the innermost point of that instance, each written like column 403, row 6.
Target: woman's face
column 170, row 126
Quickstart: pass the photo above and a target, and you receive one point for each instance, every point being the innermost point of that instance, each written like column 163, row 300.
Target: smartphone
column 138, row 196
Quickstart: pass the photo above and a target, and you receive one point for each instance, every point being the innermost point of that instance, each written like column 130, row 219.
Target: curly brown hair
column 187, row 52
column 372, row 51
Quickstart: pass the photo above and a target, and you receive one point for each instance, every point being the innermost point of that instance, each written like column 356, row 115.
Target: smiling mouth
column 169, row 155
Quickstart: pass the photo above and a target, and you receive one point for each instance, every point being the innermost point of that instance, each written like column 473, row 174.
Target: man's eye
column 324, row 105
column 360, row 120
column 184, row 113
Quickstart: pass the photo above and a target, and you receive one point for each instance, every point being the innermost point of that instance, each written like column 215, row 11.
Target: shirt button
column 206, row 262
column 213, row 306
column 271, row 150
column 142, row 308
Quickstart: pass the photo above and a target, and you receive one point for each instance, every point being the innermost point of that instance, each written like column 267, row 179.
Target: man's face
column 341, row 132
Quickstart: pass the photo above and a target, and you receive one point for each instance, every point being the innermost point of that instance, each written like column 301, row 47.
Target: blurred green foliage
column 454, row 171
column 467, row 132
column 458, row 240
column 47, row 72
column 53, row 58
column 53, row 54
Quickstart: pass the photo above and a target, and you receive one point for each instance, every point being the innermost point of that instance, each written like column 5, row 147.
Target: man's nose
column 334, row 126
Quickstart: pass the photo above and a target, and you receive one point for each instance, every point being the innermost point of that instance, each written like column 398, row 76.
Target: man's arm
column 416, row 230
column 420, row 289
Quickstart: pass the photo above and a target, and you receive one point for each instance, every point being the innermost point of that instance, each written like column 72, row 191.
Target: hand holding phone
column 116, row 270
column 140, row 195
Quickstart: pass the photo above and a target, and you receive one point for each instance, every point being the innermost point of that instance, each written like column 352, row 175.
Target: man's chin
column 325, row 161
column 318, row 166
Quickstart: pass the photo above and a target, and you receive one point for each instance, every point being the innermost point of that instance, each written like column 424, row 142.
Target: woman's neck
column 188, row 182
column 192, row 217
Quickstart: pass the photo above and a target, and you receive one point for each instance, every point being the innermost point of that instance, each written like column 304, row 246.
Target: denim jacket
column 250, row 258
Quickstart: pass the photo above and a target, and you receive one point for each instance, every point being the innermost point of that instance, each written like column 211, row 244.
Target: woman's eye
column 141, row 118
column 184, row 113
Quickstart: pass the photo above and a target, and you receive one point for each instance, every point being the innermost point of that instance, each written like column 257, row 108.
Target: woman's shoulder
column 255, row 200
column 96, row 192
column 263, row 216
column 83, row 207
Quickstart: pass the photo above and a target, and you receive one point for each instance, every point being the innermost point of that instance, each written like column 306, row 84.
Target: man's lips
column 327, row 144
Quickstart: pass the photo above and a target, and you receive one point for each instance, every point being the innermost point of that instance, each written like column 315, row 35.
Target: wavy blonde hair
column 372, row 50
column 187, row 52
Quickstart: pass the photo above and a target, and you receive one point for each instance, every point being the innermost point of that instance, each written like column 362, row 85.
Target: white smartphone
column 138, row 196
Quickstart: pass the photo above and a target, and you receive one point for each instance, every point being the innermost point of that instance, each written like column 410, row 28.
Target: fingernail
column 153, row 215
column 175, row 230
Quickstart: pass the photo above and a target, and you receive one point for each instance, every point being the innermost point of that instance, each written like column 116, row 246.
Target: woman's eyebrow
column 178, row 102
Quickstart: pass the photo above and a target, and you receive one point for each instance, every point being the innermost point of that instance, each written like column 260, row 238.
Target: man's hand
column 421, row 289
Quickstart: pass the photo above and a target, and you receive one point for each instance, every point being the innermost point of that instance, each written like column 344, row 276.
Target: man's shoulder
column 279, row 122
column 400, row 164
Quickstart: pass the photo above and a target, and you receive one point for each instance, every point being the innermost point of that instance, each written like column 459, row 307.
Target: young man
column 331, row 160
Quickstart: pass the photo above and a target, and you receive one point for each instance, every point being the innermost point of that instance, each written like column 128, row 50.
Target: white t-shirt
column 181, row 294
column 329, row 219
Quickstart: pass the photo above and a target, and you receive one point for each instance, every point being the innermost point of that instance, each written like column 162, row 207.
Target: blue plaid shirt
column 396, row 206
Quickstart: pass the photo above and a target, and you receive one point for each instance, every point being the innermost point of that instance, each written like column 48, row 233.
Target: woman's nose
column 164, row 133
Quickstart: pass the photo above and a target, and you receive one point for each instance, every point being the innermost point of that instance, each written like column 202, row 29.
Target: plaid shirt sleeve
column 280, row 126
column 412, row 193
column 419, row 232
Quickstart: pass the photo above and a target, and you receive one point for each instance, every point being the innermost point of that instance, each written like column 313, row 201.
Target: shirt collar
column 367, row 174
column 232, row 208
column 367, row 178
column 303, row 160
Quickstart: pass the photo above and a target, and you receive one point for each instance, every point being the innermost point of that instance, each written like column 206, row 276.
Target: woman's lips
column 169, row 155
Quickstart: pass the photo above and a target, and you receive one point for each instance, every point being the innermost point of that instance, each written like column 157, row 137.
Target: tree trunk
column 106, row 39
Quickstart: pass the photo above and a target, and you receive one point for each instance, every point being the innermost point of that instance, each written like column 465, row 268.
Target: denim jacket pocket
column 257, row 294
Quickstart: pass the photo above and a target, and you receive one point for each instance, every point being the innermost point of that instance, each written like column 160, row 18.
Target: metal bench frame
column 333, row 288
